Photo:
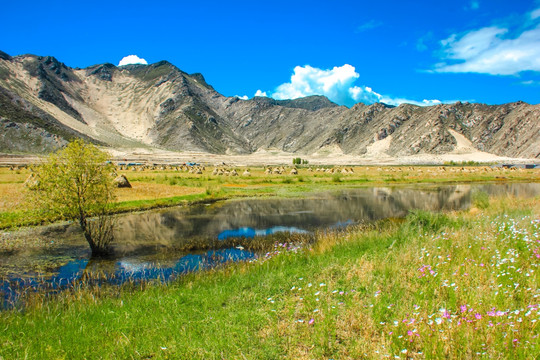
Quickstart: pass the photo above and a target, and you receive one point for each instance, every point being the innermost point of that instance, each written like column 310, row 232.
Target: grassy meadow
column 453, row 285
column 169, row 187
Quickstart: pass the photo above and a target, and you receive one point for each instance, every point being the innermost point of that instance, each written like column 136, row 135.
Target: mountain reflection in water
column 251, row 233
column 152, row 245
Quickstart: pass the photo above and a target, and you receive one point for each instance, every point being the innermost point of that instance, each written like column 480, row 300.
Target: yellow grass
column 146, row 191
column 12, row 197
column 148, row 185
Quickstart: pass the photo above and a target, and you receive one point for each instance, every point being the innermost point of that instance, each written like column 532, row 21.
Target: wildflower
column 446, row 314
column 438, row 321
column 463, row 308
column 477, row 316
column 311, row 321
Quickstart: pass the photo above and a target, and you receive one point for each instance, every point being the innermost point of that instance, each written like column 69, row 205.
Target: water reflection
column 250, row 233
column 162, row 244
column 95, row 271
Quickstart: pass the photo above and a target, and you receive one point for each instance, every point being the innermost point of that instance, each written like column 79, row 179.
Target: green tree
column 76, row 183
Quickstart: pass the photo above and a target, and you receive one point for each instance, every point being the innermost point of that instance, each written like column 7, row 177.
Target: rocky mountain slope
column 44, row 103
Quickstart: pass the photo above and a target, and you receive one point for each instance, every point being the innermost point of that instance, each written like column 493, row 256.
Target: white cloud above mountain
column 132, row 59
column 337, row 84
column 494, row 50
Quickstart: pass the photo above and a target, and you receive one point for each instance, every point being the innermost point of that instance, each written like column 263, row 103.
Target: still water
column 166, row 243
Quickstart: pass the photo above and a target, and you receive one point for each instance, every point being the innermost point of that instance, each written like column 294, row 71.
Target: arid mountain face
column 44, row 104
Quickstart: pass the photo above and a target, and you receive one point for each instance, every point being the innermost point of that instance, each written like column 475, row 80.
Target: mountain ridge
column 160, row 106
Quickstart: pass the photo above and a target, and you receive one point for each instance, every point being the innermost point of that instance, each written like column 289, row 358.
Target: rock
column 4, row 56
column 121, row 181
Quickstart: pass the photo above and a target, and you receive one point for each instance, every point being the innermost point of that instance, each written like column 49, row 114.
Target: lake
column 166, row 243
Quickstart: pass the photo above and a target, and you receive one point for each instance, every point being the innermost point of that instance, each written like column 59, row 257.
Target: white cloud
column 132, row 59
column 490, row 50
column 530, row 83
column 535, row 14
column 261, row 93
column 337, row 84
column 475, row 5
column 306, row 80
column 245, row 97
column 372, row 24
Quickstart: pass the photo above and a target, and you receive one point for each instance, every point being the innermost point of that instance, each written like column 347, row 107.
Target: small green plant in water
column 480, row 199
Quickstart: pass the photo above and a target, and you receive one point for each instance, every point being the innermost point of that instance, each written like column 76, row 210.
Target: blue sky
column 352, row 51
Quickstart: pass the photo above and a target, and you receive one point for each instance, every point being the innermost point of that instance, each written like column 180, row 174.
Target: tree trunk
column 96, row 251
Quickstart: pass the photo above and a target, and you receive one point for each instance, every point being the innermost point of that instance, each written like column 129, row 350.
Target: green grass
column 13, row 214
column 455, row 285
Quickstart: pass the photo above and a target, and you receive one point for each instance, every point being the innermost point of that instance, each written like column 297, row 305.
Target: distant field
column 167, row 187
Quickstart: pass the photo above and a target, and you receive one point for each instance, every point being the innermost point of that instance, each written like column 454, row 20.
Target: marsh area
column 163, row 244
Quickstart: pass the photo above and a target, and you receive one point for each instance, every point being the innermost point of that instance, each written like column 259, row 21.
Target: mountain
column 44, row 104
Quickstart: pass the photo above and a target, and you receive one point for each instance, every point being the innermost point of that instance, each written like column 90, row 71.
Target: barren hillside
column 44, row 103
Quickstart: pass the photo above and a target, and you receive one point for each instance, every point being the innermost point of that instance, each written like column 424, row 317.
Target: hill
column 44, row 103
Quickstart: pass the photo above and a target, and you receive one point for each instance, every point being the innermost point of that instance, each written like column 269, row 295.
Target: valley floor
column 170, row 186
column 455, row 285
column 375, row 156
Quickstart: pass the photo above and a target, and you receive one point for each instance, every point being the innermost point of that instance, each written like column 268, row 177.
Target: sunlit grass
column 145, row 191
column 157, row 188
column 454, row 285
column 12, row 197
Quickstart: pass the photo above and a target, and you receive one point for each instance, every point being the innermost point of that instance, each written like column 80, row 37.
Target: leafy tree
column 77, row 183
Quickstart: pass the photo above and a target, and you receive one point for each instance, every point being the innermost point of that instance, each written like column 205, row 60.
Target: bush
column 76, row 183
